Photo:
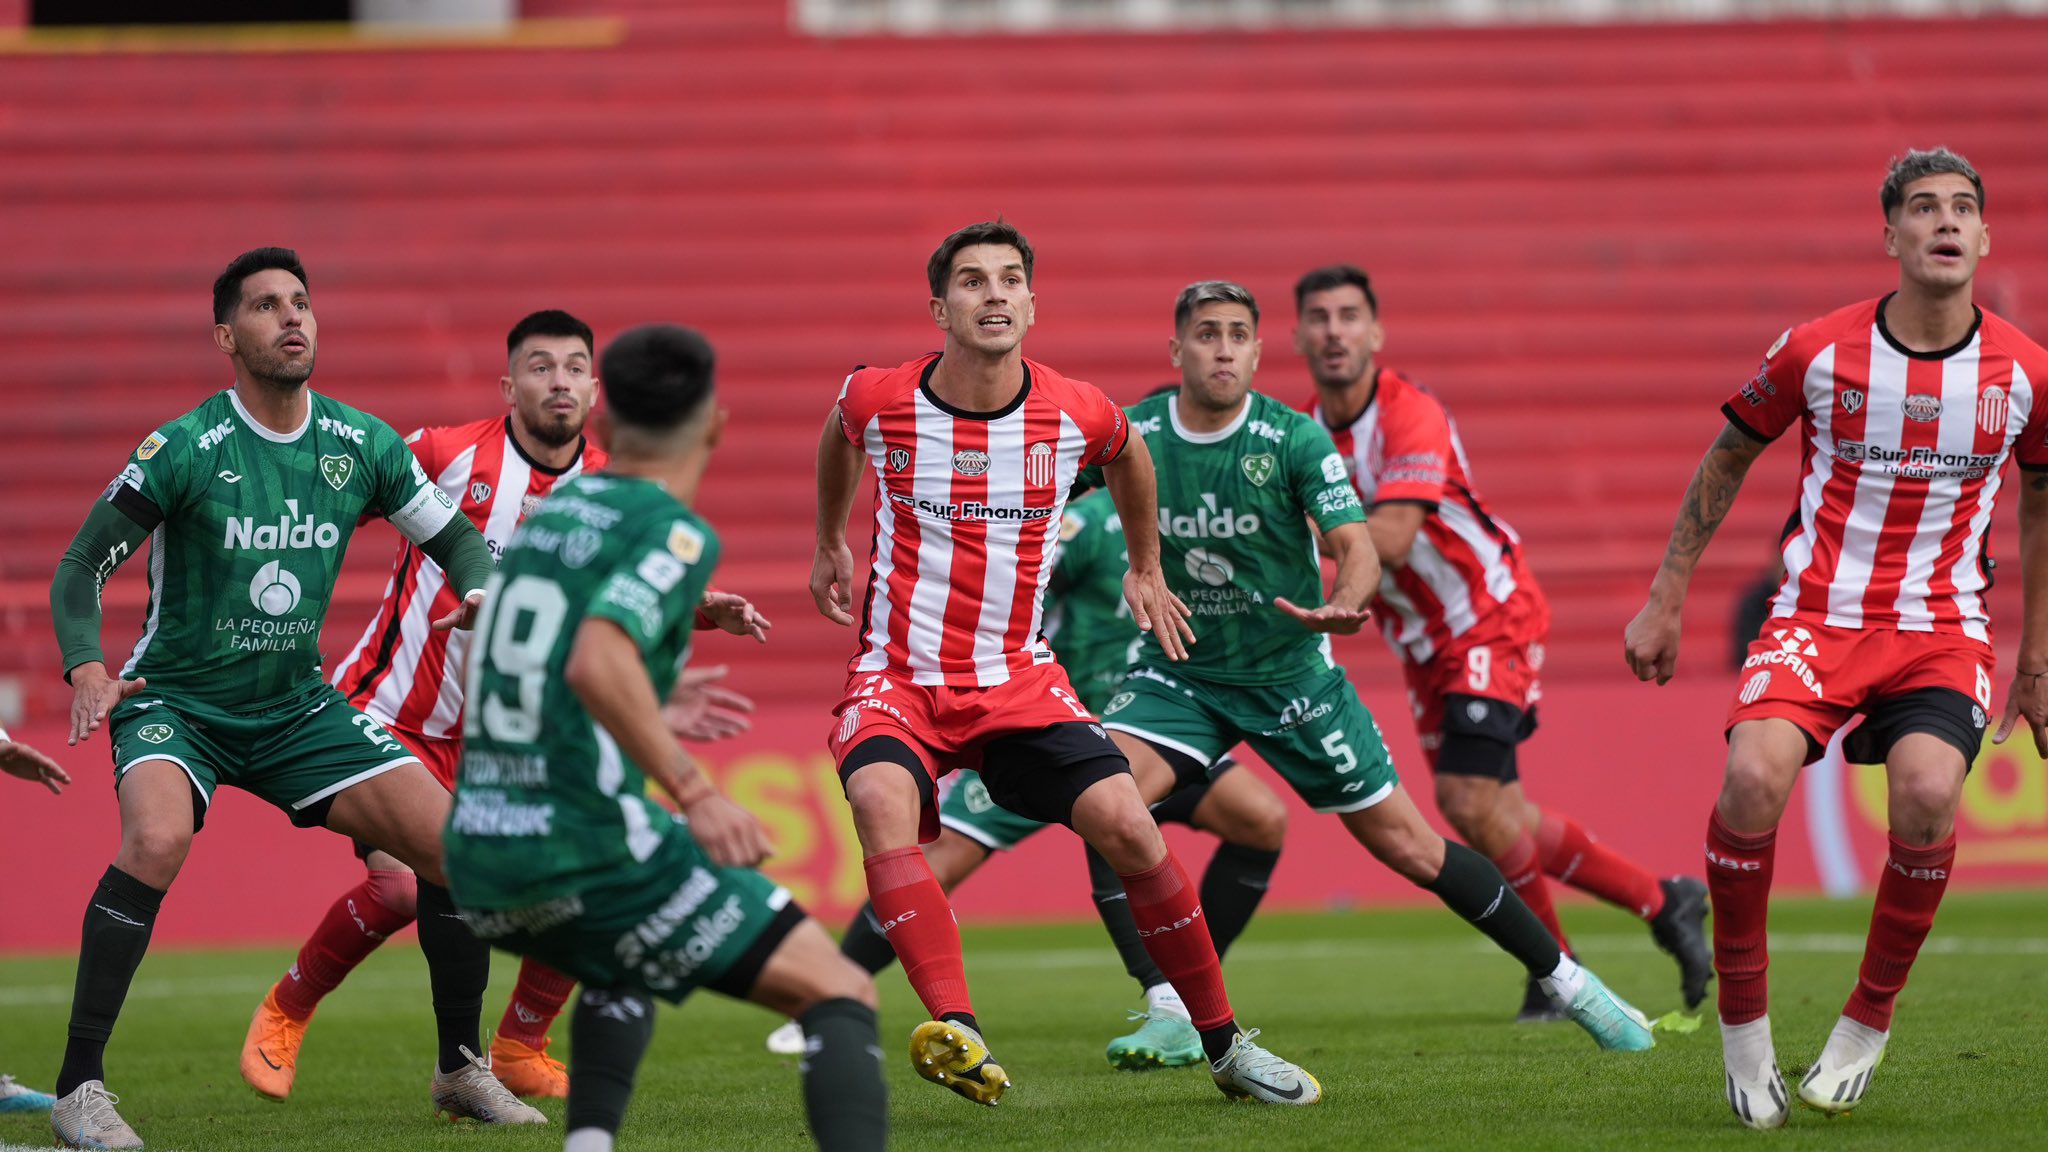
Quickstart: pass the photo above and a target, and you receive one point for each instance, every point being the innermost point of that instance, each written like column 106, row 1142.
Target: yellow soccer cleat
column 270, row 1053
column 528, row 1071
column 955, row 1056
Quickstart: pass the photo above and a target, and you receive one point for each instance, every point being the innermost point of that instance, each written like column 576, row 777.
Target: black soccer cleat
column 1538, row 1007
column 1681, row 930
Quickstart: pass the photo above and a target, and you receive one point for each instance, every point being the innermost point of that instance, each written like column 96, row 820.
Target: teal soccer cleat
column 1161, row 1042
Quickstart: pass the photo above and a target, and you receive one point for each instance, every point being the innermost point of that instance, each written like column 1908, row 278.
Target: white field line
column 251, row 988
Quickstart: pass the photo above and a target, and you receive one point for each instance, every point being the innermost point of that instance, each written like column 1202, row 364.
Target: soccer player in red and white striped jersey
column 1908, row 407
column 1464, row 614
column 974, row 450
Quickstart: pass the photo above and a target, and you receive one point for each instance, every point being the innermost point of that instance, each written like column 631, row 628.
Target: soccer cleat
column 955, row 1056
column 471, row 1092
column 1838, row 1079
column 1538, row 1007
column 1249, row 1072
column 1613, row 1022
column 15, row 1098
column 86, row 1119
column 1160, row 1042
column 1755, row 1089
column 270, row 1053
column 528, row 1071
column 787, row 1040
column 1680, row 928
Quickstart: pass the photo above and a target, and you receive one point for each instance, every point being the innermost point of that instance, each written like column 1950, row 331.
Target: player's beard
column 279, row 370
column 552, row 430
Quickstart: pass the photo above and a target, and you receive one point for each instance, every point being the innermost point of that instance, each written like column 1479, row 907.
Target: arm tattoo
column 1709, row 496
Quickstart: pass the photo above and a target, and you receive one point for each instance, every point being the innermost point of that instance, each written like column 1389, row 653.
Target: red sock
column 1572, row 856
column 536, row 1000
column 1169, row 916
column 918, row 921
column 1524, row 873
column 1907, row 895
column 1739, row 882
column 353, row 927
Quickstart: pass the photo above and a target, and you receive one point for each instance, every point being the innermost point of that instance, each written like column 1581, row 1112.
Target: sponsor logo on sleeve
column 130, row 476
column 336, row 470
column 1070, row 527
column 685, row 543
column 150, row 446
column 1259, row 468
column 1779, row 346
column 1334, row 469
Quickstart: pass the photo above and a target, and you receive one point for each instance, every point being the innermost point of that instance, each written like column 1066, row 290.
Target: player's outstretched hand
column 1328, row 618
column 2028, row 697
column 94, row 694
column 832, row 583
column 1651, row 643
column 728, row 833
column 698, row 709
column 733, row 613
column 464, row 616
column 18, row 759
column 1157, row 610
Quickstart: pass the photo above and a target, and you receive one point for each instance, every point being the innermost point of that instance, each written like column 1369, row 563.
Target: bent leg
column 882, row 787
column 358, row 921
column 1252, row 822
column 952, row 859
column 400, row 812
column 1488, row 815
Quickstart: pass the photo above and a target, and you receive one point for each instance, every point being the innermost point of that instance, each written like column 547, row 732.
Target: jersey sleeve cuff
column 1742, row 425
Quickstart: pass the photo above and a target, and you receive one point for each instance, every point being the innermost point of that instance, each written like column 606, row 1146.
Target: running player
column 1089, row 625
column 248, row 502
column 554, row 849
column 974, row 450
column 1907, row 408
column 1464, row 615
column 1241, row 479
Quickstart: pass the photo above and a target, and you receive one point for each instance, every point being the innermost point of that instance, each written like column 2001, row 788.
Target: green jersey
column 247, row 532
column 546, row 805
column 1088, row 620
column 1234, row 507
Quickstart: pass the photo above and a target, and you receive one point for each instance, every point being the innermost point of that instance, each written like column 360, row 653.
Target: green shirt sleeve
column 1316, row 472
column 660, row 583
column 150, row 485
column 462, row 553
column 402, row 492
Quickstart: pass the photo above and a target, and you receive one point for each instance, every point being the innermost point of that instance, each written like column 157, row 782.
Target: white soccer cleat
column 1838, row 1079
column 1249, row 1072
column 787, row 1040
column 471, row 1092
column 1755, row 1089
column 86, row 1119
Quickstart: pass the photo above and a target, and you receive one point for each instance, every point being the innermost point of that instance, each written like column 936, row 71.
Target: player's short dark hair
column 656, row 376
column 549, row 322
column 1211, row 292
column 227, row 287
column 1919, row 165
column 1335, row 276
column 939, row 268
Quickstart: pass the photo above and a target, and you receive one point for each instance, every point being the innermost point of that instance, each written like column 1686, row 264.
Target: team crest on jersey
column 479, row 491
column 1922, row 409
column 528, row 503
column 1852, row 401
column 685, row 543
column 581, row 546
column 1258, row 469
column 970, row 462
column 1038, row 464
column 337, row 470
column 154, row 733
column 1992, row 410
column 149, row 447
column 899, row 459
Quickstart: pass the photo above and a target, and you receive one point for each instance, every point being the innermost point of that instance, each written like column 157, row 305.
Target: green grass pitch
column 1403, row 1015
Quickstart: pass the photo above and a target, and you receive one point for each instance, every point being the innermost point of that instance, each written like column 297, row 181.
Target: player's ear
column 224, row 339
column 1984, row 242
column 1376, row 337
column 505, row 389
column 939, row 311
column 1891, row 240
column 715, row 429
column 1173, row 349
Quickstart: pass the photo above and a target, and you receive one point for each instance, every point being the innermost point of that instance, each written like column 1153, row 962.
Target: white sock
column 1852, row 1041
column 1746, row 1049
column 589, row 1140
column 1162, row 1000
column 1565, row 981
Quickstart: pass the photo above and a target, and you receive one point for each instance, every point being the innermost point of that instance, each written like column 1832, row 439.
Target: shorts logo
column 581, row 547
column 274, row 590
column 1992, row 410
column 1476, row 710
column 1756, row 686
column 336, row 470
column 1258, row 469
column 1209, row 568
column 1038, row 465
column 1922, row 409
column 1796, row 640
column 970, row 462
column 849, row 724
column 479, row 492
column 1852, row 401
column 1121, row 701
column 899, row 459
column 154, row 733
column 1977, row 717
column 975, row 795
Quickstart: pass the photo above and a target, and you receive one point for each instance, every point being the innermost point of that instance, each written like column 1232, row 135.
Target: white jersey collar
column 257, row 426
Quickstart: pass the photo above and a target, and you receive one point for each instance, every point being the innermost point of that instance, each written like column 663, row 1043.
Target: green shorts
column 297, row 753
column 667, row 926
column 968, row 810
column 1313, row 731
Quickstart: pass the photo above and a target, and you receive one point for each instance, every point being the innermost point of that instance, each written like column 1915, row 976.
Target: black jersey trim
column 1976, row 322
column 1742, row 426
column 924, row 385
column 582, row 445
column 2026, row 467
column 1429, row 507
column 137, row 507
column 388, row 643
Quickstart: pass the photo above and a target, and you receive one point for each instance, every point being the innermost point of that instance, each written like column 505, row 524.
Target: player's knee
column 1262, row 825
column 882, row 795
column 1127, row 838
column 153, row 854
column 395, row 890
column 1922, row 808
column 1415, row 858
column 1469, row 807
column 1754, row 790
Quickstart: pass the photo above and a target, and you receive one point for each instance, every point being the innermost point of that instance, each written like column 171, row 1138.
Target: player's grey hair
column 1212, row 292
column 1919, row 165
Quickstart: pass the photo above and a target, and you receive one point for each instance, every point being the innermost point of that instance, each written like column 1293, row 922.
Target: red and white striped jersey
column 967, row 516
column 1901, row 459
column 402, row 672
column 1465, row 562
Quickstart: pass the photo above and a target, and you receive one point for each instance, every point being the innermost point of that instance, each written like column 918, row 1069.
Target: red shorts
column 442, row 756
column 1500, row 660
column 950, row 728
column 1818, row 677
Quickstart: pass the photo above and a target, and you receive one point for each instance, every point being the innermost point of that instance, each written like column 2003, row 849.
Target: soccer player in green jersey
column 248, row 502
column 1242, row 478
column 554, row 849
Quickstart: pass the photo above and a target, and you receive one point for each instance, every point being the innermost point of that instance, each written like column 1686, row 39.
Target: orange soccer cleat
column 528, row 1071
column 270, row 1054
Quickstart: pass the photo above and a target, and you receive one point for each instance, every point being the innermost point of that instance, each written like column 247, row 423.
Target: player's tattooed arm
column 839, row 465
column 1650, row 644
column 2028, row 696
